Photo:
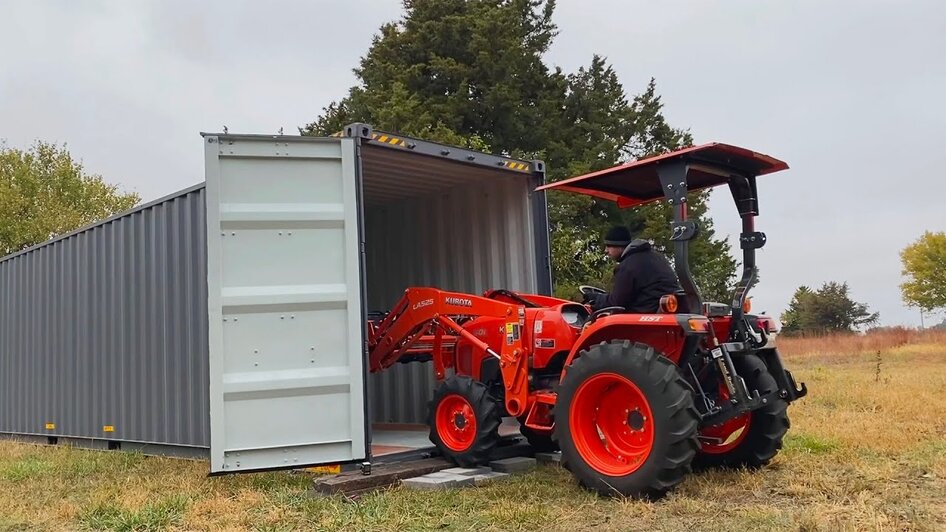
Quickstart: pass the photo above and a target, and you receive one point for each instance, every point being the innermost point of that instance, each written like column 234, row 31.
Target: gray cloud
column 849, row 93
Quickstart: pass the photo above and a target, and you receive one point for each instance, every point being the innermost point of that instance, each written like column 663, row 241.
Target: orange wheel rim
column 611, row 424
column 456, row 422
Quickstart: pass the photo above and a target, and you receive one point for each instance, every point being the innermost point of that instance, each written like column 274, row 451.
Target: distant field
column 867, row 451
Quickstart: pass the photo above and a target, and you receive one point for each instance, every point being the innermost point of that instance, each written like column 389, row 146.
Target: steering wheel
column 588, row 290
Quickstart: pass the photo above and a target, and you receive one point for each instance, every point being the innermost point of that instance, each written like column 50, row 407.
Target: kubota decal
column 459, row 301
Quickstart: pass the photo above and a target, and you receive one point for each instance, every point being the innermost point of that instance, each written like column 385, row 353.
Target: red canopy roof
column 636, row 183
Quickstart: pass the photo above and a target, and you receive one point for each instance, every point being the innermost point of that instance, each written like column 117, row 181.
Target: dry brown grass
column 867, row 451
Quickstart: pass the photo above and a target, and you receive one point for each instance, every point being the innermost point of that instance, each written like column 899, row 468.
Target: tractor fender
column 666, row 333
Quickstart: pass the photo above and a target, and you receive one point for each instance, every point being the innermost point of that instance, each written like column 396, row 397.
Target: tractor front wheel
column 754, row 438
column 625, row 420
column 464, row 420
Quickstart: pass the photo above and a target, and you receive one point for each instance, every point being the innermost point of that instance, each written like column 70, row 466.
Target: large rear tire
column 625, row 421
column 752, row 439
column 464, row 420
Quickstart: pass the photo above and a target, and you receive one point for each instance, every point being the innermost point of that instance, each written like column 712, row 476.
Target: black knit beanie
column 617, row 236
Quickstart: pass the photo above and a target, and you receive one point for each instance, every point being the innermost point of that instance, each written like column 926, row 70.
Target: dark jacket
column 641, row 278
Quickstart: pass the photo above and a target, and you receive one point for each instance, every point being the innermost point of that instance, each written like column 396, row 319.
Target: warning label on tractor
column 512, row 333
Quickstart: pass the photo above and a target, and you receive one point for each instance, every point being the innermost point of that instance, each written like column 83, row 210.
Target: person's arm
column 622, row 291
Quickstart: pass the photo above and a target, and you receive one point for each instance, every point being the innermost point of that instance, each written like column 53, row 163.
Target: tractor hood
column 636, row 183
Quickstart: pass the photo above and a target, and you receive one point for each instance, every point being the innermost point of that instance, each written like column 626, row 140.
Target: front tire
column 625, row 421
column 464, row 420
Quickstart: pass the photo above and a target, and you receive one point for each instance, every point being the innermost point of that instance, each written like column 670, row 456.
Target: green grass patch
column 810, row 444
column 26, row 468
column 158, row 516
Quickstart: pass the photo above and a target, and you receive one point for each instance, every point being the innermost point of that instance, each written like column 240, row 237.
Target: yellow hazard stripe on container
column 387, row 139
column 332, row 469
column 513, row 165
column 50, row 426
column 108, row 428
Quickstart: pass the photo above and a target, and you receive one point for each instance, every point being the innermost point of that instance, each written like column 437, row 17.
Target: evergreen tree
column 470, row 73
column 828, row 309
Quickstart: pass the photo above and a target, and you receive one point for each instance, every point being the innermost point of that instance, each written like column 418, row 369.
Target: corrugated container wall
column 104, row 332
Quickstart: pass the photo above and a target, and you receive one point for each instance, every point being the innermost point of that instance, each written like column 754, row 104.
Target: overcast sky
column 850, row 94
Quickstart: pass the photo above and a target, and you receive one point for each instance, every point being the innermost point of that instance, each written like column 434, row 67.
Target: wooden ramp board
column 389, row 474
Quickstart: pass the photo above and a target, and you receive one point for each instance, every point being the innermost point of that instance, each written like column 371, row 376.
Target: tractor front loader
column 633, row 401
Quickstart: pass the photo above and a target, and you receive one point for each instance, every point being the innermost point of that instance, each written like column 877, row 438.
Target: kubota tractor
column 633, row 401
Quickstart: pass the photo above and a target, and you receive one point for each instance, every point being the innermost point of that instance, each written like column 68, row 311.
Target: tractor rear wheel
column 464, row 420
column 625, row 420
column 754, row 438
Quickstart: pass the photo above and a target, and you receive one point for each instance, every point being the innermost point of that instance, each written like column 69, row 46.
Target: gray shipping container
column 230, row 316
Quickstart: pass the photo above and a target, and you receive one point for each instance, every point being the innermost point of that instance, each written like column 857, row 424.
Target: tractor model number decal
column 459, row 301
column 545, row 343
column 479, row 333
column 422, row 304
column 649, row 318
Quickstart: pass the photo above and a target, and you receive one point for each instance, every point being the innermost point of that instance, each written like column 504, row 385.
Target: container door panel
column 285, row 303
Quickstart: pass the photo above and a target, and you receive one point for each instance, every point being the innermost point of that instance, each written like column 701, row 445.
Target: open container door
column 285, row 302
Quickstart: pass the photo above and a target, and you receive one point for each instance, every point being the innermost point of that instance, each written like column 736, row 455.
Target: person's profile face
column 614, row 251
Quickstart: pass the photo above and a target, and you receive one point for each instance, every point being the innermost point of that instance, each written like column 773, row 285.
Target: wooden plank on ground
column 382, row 476
column 389, row 474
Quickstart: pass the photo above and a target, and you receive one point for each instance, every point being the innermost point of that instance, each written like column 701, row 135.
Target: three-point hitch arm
column 428, row 316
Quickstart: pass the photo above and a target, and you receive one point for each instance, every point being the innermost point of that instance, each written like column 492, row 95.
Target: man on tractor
column 642, row 276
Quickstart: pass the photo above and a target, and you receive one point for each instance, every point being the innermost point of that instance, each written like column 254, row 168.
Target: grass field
column 867, row 451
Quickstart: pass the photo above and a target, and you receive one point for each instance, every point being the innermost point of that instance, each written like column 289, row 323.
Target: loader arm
column 428, row 315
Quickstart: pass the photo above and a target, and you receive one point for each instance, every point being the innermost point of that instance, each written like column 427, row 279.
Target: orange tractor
column 633, row 401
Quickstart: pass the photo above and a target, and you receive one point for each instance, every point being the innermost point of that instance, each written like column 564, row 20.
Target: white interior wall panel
column 467, row 238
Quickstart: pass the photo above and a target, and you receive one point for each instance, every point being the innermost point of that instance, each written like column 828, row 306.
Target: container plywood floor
column 388, row 439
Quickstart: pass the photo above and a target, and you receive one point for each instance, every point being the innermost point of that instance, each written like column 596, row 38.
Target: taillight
column 669, row 304
column 698, row 324
column 770, row 325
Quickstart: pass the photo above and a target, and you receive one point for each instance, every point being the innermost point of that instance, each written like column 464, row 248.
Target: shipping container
column 227, row 320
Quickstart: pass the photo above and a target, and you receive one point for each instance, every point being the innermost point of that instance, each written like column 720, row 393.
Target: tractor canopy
column 637, row 182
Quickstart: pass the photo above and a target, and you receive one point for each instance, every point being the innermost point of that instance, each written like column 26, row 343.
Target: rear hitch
column 789, row 390
column 737, row 409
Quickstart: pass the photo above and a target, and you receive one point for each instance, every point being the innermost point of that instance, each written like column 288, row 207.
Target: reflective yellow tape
column 335, row 469
column 384, row 138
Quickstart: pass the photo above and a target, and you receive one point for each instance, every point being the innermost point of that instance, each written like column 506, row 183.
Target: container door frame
column 249, row 408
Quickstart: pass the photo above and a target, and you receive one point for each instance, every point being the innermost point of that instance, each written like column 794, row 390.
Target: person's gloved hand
column 595, row 300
